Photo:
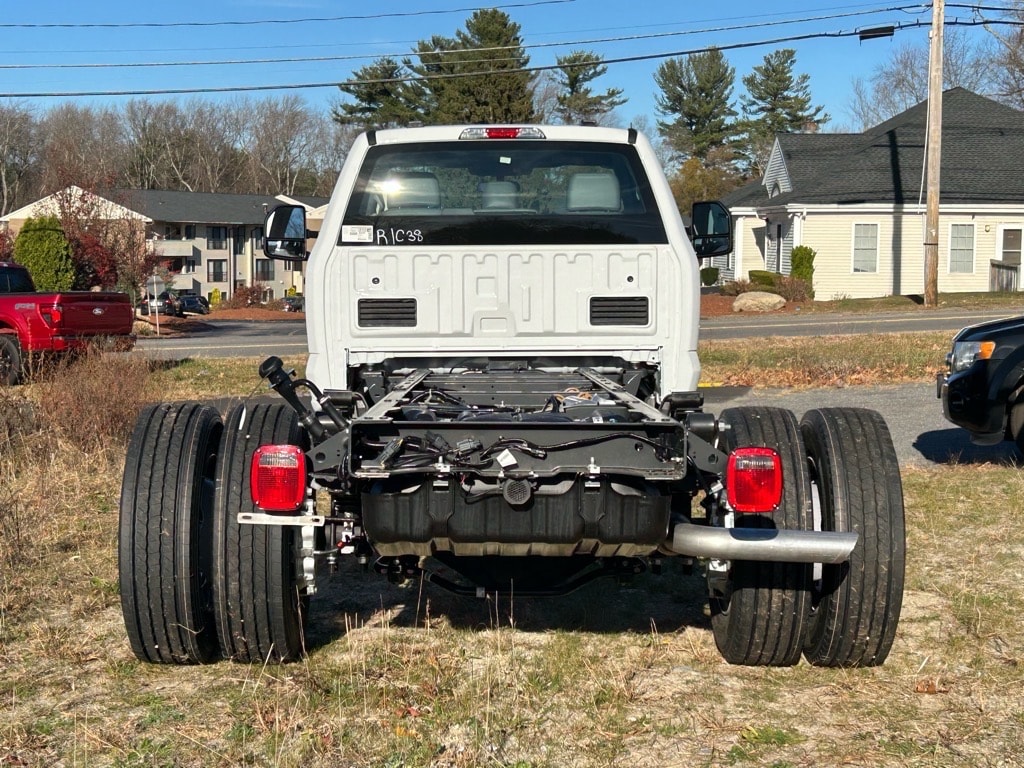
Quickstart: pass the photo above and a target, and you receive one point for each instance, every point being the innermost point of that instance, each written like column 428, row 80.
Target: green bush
column 42, row 248
column 709, row 276
column 763, row 278
column 802, row 265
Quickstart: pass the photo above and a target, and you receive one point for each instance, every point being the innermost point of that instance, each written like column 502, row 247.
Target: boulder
column 758, row 301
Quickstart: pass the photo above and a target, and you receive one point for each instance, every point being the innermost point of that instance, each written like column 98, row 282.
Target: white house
column 858, row 201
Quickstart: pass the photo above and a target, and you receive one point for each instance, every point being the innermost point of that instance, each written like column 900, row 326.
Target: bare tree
column 281, row 144
column 17, row 154
column 902, row 81
column 79, row 145
column 214, row 135
column 1008, row 57
column 545, row 97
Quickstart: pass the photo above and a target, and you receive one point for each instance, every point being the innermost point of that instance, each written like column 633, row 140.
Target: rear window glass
column 15, row 281
column 492, row 192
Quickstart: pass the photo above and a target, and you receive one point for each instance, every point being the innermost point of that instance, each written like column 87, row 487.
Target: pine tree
column 776, row 102
column 696, row 92
column 577, row 103
column 381, row 97
column 479, row 76
column 42, row 248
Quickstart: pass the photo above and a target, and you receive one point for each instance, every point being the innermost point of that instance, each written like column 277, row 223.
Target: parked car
column 193, row 304
column 165, row 303
column 293, row 304
column 982, row 388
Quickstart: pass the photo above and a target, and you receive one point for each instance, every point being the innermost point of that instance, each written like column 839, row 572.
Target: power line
column 350, row 57
column 425, row 78
column 249, row 23
column 336, row 44
column 458, row 75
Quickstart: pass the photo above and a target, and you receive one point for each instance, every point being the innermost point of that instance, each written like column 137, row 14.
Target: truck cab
column 449, row 245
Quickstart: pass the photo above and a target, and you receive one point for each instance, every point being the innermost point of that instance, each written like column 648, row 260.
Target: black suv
column 164, row 304
column 982, row 389
column 193, row 304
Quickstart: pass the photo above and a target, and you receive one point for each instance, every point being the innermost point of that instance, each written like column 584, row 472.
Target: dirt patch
column 720, row 305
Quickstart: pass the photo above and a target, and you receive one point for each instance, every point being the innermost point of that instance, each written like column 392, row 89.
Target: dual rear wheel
column 197, row 586
column 840, row 474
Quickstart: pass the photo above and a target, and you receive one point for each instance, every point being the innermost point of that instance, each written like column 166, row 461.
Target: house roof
column 750, row 195
column 196, row 207
column 51, row 206
column 982, row 158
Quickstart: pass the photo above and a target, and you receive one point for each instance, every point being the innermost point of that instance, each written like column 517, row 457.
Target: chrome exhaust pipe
column 762, row 544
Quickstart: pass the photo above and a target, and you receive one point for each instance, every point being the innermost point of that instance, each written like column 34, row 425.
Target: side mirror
column 712, row 229
column 286, row 234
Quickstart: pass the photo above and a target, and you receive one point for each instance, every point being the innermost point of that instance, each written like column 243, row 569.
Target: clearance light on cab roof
column 502, row 133
column 753, row 480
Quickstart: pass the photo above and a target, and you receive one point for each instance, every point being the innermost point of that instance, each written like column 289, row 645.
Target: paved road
column 919, row 431
column 287, row 337
column 814, row 324
column 231, row 339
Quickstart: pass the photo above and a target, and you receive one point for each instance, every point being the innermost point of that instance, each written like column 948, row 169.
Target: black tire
column 260, row 604
column 857, row 604
column 1015, row 424
column 758, row 619
column 164, row 540
column 11, row 364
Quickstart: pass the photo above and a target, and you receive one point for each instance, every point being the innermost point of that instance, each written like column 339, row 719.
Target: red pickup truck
column 49, row 323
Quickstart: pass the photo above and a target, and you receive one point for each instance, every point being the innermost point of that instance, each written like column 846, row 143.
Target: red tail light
column 53, row 315
column 277, row 482
column 753, row 480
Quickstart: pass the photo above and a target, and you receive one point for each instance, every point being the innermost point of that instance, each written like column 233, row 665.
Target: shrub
column 43, row 249
column 93, row 400
column 792, row 288
column 709, row 276
column 802, row 265
column 736, row 287
column 762, row 278
column 244, row 296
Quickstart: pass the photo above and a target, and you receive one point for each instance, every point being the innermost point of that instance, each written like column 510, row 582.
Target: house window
column 172, row 232
column 264, row 270
column 190, row 266
column 865, row 248
column 961, row 248
column 257, row 239
column 216, row 238
column 1011, row 246
column 216, row 270
column 174, row 266
column 190, row 231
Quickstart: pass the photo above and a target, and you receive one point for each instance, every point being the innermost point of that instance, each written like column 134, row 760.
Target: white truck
column 502, row 396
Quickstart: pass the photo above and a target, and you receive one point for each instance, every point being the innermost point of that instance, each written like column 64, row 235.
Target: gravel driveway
column 920, row 433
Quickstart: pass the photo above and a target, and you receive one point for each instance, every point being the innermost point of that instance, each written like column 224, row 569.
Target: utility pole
column 933, row 158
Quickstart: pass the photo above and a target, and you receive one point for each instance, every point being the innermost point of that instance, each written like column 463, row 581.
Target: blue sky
column 612, row 28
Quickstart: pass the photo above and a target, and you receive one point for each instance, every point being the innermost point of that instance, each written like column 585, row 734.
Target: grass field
column 411, row 676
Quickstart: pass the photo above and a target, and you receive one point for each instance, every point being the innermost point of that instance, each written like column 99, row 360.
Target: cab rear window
column 15, row 280
column 502, row 193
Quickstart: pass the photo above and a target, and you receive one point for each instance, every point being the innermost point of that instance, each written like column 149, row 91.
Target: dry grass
column 824, row 361
column 409, row 676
